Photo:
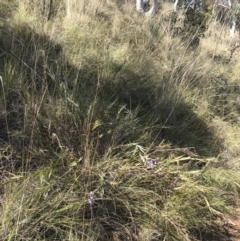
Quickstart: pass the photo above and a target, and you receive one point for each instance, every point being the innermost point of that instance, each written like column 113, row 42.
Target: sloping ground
column 93, row 114
column 230, row 229
column 234, row 227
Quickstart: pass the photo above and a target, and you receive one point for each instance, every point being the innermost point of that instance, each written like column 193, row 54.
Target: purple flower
column 151, row 163
column 225, row 223
column 91, row 198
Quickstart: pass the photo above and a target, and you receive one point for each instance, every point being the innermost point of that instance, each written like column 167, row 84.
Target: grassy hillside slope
column 114, row 126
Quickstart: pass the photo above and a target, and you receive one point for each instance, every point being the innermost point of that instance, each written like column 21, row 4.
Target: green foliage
column 195, row 25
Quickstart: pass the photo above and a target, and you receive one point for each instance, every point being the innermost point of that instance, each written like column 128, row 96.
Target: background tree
column 143, row 6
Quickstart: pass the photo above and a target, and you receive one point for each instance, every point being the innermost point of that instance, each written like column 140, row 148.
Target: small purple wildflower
column 225, row 223
column 91, row 198
column 151, row 163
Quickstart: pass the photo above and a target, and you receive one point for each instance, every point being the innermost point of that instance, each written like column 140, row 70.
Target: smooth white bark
column 229, row 3
column 152, row 10
column 141, row 6
column 233, row 28
column 175, row 5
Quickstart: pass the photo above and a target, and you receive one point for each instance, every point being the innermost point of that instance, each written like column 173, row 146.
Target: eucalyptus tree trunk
column 235, row 18
column 143, row 6
column 175, row 5
column 233, row 29
column 221, row 8
column 227, row 11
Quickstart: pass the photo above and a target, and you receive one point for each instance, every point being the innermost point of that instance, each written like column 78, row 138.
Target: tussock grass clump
column 131, row 200
column 111, row 127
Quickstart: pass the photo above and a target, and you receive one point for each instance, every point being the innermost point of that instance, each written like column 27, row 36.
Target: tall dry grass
column 99, row 99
